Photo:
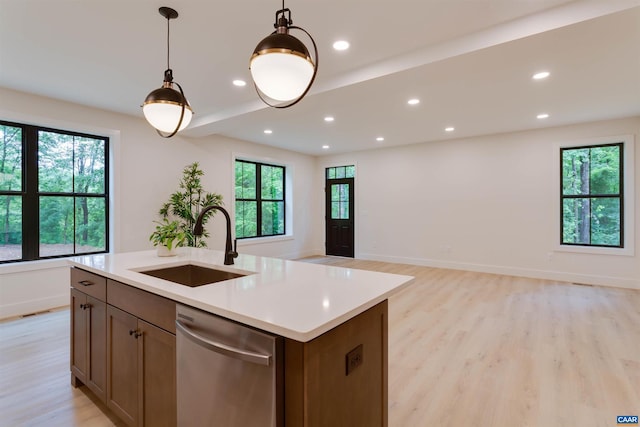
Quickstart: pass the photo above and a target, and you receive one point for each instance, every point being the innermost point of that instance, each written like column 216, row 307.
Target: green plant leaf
column 185, row 204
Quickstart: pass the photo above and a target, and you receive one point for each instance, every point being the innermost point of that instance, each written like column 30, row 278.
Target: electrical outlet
column 353, row 359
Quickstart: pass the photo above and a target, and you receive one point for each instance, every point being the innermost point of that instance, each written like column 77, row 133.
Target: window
column 340, row 172
column 53, row 193
column 339, row 197
column 592, row 202
column 260, row 196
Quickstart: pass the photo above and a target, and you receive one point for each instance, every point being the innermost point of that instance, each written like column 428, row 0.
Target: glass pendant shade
column 163, row 107
column 281, row 67
column 167, row 109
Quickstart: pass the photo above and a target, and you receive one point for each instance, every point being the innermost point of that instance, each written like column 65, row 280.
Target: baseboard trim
column 618, row 282
column 33, row 306
column 300, row 254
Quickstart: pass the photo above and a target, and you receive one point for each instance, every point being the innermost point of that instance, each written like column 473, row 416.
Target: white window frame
column 629, row 196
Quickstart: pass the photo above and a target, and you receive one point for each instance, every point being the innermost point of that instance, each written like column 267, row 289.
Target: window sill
column 25, row 266
column 595, row 250
column 260, row 240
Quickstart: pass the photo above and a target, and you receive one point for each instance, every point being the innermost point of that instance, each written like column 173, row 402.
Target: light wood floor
column 464, row 349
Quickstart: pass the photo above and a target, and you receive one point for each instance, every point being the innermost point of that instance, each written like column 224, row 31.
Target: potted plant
column 167, row 237
column 185, row 204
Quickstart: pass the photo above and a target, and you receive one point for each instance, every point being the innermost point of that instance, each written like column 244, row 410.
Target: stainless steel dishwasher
column 228, row 374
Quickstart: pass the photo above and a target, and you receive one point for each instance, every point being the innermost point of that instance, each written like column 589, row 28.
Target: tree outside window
column 260, row 196
column 592, row 196
column 53, row 193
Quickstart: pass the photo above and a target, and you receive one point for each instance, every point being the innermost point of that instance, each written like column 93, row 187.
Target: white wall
column 483, row 204
column 217, row 160
column 480, row 204
column 146, row 169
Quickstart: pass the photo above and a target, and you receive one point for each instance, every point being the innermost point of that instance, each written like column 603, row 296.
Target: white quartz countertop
column 293, row 299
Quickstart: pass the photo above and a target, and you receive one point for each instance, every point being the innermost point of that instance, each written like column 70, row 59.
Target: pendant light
column 281, row 67
column 166, row 108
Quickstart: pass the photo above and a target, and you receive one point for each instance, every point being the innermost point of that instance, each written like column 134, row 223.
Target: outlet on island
column 353, row 359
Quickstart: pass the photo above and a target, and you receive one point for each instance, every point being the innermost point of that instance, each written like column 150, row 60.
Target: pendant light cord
column 168, row 46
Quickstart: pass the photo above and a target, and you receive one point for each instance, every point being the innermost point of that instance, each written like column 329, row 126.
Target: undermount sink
column 192, row 275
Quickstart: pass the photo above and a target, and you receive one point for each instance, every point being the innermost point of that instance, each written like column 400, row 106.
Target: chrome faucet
column 229, row 253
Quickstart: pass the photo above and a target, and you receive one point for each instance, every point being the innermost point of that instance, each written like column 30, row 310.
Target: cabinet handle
column 86, row 283
column 135, row 332
column 85, row 306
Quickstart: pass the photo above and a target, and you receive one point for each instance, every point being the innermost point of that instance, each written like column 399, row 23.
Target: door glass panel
column 344, row 210
column 341, row 172
column 335, row 210
column 351, row 170
column 337, row 192
column 339, row 201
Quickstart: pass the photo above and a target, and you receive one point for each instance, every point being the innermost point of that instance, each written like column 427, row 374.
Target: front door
column 340, row 211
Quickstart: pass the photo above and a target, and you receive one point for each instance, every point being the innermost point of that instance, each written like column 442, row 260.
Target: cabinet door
column 157, row 360
column 79, row 345
column 122, row 365
column 96, row 378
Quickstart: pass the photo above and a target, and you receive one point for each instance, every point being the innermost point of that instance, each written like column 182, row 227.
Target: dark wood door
column 157, row 359
column 340, row 217
column 122, row 365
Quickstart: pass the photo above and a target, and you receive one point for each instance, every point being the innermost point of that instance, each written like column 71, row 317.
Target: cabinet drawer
column 89, row 283
column 149, row 307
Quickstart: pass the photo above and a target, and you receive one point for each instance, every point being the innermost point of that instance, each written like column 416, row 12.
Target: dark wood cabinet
column 88, row 343
column 141, row 386
column 123, row 348
column 340, row 378
column 122, row 372
column 157, row 358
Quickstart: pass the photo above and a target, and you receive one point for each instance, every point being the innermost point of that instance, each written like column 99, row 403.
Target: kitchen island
column 331, row 323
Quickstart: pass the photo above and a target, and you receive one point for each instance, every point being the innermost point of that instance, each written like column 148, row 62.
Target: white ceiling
column 469, row 61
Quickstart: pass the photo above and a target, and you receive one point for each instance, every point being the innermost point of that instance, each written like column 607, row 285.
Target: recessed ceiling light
column 541, row 75
column 380, row 139
column 239, row 83
column 542, row 116
column 413, row 101
column 268, row 131
column 450, row 129
column 329, row 119
column 325, row 147
column 341, row 45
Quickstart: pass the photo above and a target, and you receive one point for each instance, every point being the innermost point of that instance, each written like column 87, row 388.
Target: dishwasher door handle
column 236, row 353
